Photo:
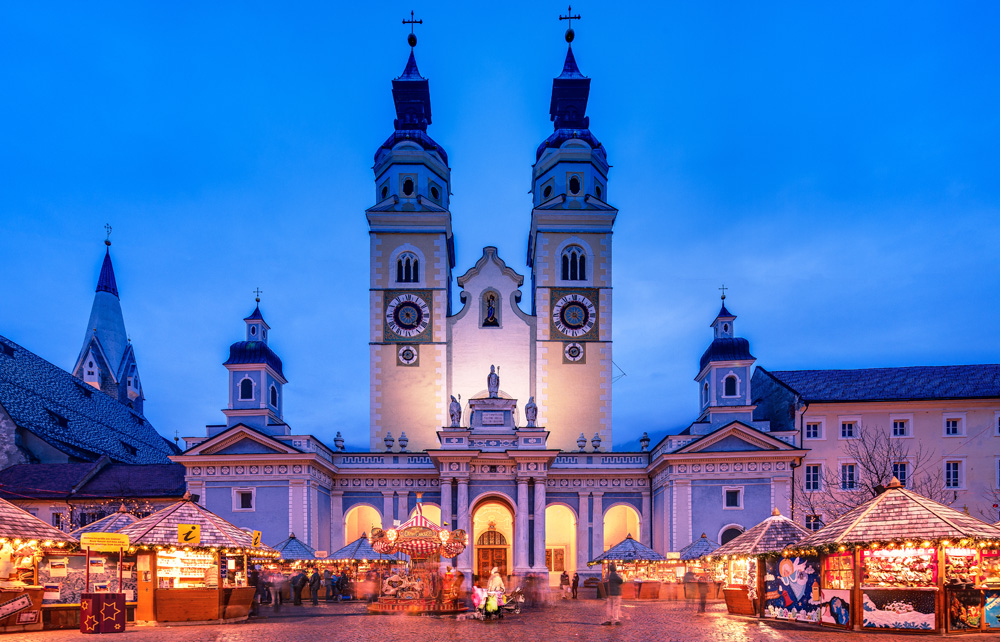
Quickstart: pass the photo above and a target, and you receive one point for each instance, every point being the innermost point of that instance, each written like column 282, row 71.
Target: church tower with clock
column 569, row 254
column 412, row 256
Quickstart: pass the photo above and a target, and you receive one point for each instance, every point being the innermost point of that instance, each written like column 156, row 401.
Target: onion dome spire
column 411, row 91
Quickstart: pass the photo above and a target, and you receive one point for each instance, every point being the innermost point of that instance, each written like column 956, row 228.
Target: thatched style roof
column 110, row 524
column 900, row 515
column 773, row 534
column 292, row 548
column 16, row 523
column 160, row 529
column 698, row 548
column 628, row 550
column 361, row 549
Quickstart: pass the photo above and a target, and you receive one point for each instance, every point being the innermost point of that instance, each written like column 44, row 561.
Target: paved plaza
column 564, row 620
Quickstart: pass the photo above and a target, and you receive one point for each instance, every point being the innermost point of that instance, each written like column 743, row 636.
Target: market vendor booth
column 692, row 557
column 740, row 561
column 25, row 540
column 366, row 566
column 643, row 569
column 899, row 561
column 192, row 565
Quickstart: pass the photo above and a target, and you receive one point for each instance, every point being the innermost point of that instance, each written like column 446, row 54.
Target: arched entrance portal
column 359, row 521
column 619, row 522
column 493, row 539
column 560, row 542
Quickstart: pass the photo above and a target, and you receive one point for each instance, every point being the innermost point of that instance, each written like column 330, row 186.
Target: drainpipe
column 795, row 465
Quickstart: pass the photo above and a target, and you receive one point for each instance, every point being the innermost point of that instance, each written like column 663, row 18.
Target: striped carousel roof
column 110, row 524
column 418, row 537
column 16, row 523
column 628, row 550
column 773, row 534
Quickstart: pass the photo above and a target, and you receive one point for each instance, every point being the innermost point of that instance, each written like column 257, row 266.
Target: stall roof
column 698, row 548
column 361, row 549
column 773, row 534
column 110, row 524
column 292, row 548
column 628, row 550
column 160, row 528
column 16, row 523
column 900, row 514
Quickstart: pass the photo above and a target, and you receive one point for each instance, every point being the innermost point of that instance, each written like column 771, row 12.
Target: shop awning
column 773, row 534
column 899, row 515
column 698, row 548
column 110, row 524
column 360, row 549
column 16, row 523
column 628, row 550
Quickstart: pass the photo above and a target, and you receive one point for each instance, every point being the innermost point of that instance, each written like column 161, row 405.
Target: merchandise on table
column 899, row 568
column 186, row 569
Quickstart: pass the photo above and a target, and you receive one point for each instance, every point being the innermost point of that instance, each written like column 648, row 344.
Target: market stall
column 295, row 555
column 899, row 561
column 25, row 541
column 192, row 565
column 741, row 561
column 366, row 566
column 692, row 556
column 419, row 588
column 643, row 569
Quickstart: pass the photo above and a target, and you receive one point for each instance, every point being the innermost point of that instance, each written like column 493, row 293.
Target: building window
column 407, row 268
column 246, row 389
column 574, row 184
column 813, row 522
column 900, row 428
column 952, row 474
column 733, row 498
column 730, row 386
column 574, row 264
column 899, row 471
column 814, row 430
column 954, row 426
column 996, row 421
column 848, row 477
column 705, row 394
column 244, row 499
column 57, row 520
column 814, row 476
column 848, row 429
column 274, row 396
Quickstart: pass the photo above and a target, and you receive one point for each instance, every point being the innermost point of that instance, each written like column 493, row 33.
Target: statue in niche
column 490, row 321
column 455, row 410
column 493, row 382
column 531, row 412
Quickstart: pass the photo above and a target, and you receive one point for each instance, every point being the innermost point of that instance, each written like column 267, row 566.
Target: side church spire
column 107, row 359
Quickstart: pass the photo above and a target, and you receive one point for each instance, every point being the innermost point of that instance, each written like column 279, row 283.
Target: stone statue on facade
column 455, row 410
column 531, row 412
column 493, row 382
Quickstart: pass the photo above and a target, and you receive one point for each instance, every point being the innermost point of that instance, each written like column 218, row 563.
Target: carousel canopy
column 628, row 550
column 160, row 528
column 418, row 537
column 110, row 524
column 361, row 549
column 773, row 534
column 16, row 523
column 698, row 548
column 293, row 548
column 899, row 514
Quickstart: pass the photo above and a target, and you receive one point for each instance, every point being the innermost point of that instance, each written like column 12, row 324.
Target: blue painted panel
column 323, row 520
column 709, row 515
column 270, row 516
column 732, row 443
column 246, row 447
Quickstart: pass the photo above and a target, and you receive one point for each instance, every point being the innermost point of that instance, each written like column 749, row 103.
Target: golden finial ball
column 412, row 39
column 570, row 34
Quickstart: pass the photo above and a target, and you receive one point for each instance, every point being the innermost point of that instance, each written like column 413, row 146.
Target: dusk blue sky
column 834, row 164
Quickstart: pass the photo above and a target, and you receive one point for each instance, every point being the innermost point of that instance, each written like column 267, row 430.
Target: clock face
column 407, row 315
column 573, row 352
column 574, row 315
column 407, row 355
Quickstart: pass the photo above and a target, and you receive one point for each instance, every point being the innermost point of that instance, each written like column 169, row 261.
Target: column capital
column 597, row 493
column 583, row 493
column 388, row 493
column 336, row 493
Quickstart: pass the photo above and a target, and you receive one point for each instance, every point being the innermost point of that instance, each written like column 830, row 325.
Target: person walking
column 328, row 583
column 575, row 586
column 564, row 586
column 274, row 580
column 614, row 596
column 298, row 583
column 314, row 584
column 702, row 592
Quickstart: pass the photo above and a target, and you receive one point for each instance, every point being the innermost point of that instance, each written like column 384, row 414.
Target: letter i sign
column 189, row 534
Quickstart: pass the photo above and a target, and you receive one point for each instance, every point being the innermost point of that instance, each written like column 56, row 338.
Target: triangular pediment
column 242, row 440
column 735, row 437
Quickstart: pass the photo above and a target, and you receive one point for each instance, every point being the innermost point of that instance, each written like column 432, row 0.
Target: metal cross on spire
column 570, row 17
column 258, row 292
column 412, row 38
column 107, row 228
column 723, row 288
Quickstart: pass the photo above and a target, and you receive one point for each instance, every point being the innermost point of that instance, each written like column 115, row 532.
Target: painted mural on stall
column 991, row 613
column 898, row 609
column 836, row 607
column 965, row 610
column 791, row 589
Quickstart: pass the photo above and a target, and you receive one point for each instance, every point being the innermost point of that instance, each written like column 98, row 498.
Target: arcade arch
column 492, row 539
column 431, row 512
column 360, row 520
column 620, row 521
column 560, row 541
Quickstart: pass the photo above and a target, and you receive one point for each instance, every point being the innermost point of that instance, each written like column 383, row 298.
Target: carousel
column 419, row 588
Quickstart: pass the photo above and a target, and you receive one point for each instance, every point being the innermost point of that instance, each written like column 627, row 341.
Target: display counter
column 186, row 605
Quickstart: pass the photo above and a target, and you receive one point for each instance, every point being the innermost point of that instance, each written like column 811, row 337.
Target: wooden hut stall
column 643, row 569
column 192, row 566
column 25, row 540
column 899, row 561
column 369, row 567
column 294, row 554
column 691, row 557
column 741, row 560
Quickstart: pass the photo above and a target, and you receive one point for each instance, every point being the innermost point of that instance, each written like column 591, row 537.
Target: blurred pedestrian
column 564, row 586
column 575, row 586
column 702, row 591
column 614, row 596
column 314, row 584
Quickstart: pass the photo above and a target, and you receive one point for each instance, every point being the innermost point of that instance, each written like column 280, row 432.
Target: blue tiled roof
column 724, row 313
column 106, row 282
column 560, row 136
column 255, row 315
column 253, row 352
column 570, row 68
column 734, row 349
column 101, row 480
column 295, row 549
column 893, row 384
column 72, row 416
column 697, row 548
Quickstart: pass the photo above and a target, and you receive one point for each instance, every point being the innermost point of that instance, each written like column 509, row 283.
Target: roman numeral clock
column 574, row 320
column 407, row 321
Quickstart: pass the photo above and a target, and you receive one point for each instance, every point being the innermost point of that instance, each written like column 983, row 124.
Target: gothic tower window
column 574, row 264
column 730, row 386
column 407, row 268
column 246, row 389
column 274, row 396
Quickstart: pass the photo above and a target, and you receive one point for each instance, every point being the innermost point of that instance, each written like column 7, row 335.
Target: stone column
column 337, row 536
column 597, row 537
column 465, row 523
column 540, row 528
column 446, row 516
column 582, row 533
column 521, row 529
column 403, row 504
column 387, row 515
column 646, row 536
